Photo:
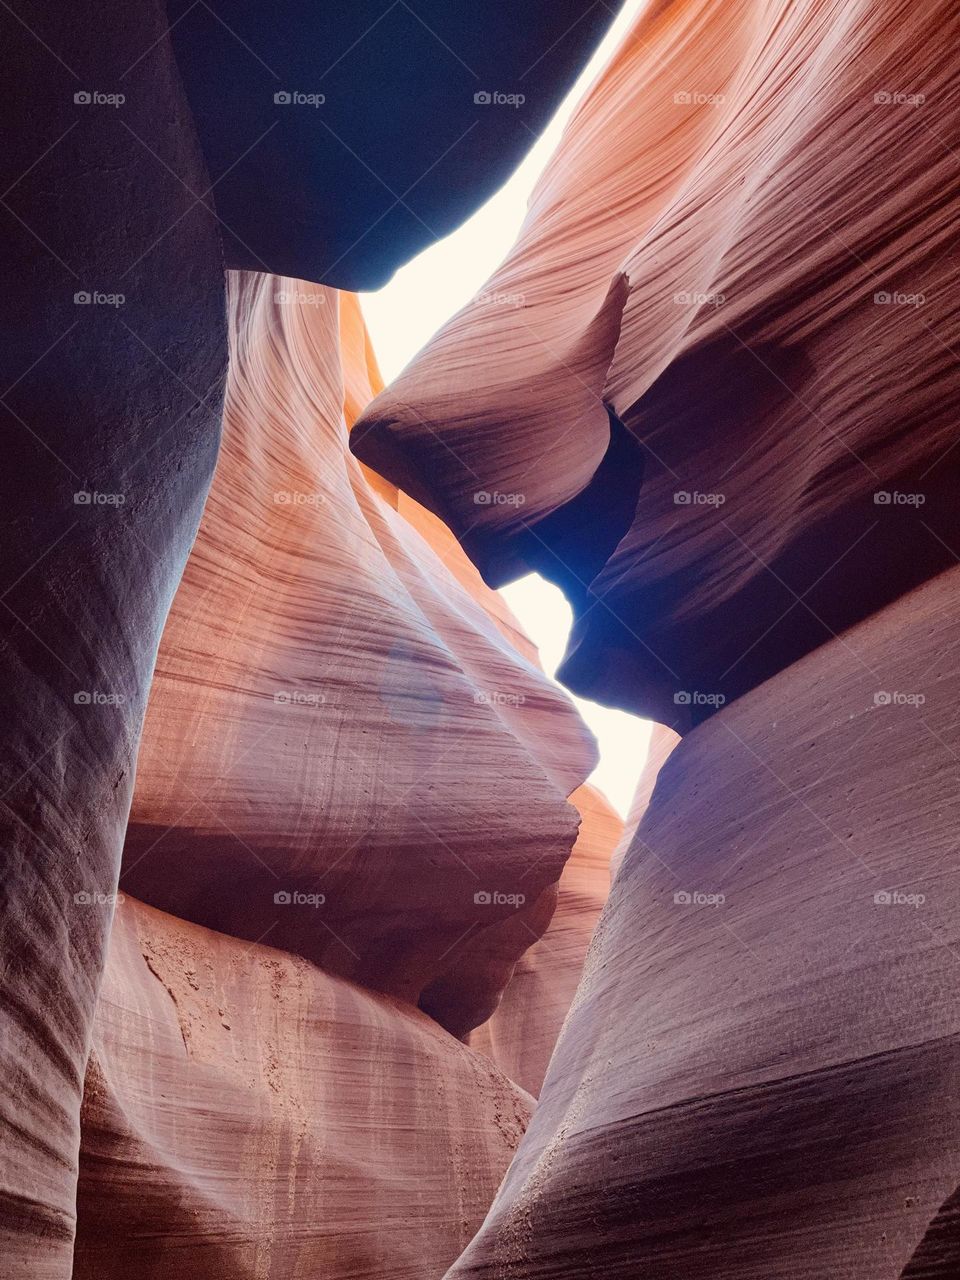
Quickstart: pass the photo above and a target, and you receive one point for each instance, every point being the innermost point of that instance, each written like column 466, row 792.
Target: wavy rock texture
column 334, row 716
column 521, row 1035
column 742, row 248
column 247, row 1115
column 361, row 382
column 245, row 1112
column 767, row 1085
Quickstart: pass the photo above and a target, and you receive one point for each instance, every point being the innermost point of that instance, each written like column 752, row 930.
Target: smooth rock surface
column 742, row 248
column 767, row 1085
column 247, row 1115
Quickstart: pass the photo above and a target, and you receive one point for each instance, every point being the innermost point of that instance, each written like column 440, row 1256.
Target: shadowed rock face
column 766, row 1084
column 111, row 373
column 111, row 416
column 247, row 1115
column 741, row 253
column 742, row 247
column 411, row 107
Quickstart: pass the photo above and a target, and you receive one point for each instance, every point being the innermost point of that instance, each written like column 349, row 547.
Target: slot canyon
column 327, row 952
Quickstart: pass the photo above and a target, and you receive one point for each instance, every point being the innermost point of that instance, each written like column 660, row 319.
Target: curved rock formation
column 362, row 381
column 759, row 1073
column 342, row 753
column 521, row 1035
column 244, row 1111
column 740, row 250
column 713, row 394
column 247, row 1115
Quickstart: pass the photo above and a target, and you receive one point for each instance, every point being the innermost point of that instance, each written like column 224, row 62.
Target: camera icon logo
column 882, row 498
column 482, row 498
column 883, row 898
column 482, row 898
column 681, row 498
column 282, row 98
column 83, row 498
column 482, row 98
column 82, row 699
column 682, row 898
column 282, row 897
column 682, row 698
column 882, row 699
column 82, row 899
column 82, row 98
column 82, row 298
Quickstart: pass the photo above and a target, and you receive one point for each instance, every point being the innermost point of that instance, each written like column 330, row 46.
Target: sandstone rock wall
column 334, row 716
column 344, row 138
column 662, row 743
column 712, row 393
column 110, row 417
column 330, row 661
column 719, row 369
